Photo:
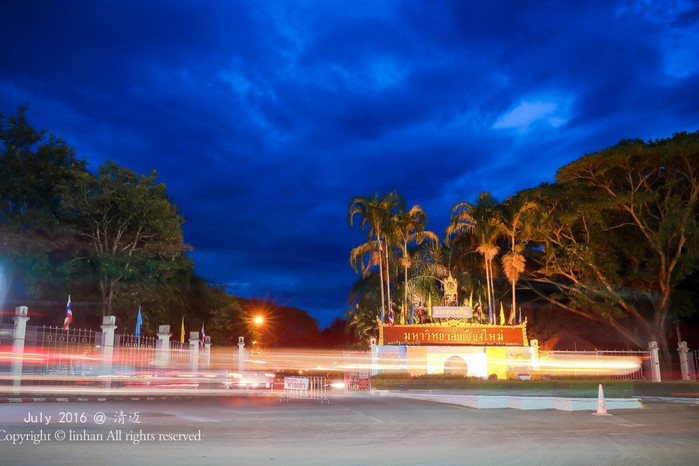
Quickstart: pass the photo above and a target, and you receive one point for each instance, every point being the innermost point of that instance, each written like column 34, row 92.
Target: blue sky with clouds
column 264, row 118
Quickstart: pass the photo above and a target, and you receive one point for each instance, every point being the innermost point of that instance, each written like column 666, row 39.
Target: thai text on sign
column 481, row 335
column 295, row 383
column 453, row 312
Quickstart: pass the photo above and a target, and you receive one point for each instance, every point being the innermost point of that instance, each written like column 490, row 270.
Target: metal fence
column 79, row 352
column 6, row 334
column 180, row 355
column 134, row 353
column 603, row 364
column 305, row 388
column 63, row 352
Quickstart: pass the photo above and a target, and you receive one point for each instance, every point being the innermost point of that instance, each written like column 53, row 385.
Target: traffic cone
column 601, row 407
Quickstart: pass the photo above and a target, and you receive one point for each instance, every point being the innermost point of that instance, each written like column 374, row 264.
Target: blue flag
column 139, row 321
column 412, row 314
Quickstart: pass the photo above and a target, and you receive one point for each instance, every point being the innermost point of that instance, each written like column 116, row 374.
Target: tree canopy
column 112, row 240
column 614, row 239
column 621, row 234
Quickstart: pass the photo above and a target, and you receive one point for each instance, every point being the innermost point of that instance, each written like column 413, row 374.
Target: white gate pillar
column 654, row 361
column 207, row 351
column 374, row 355
column 684, row 364
column 108, row 326
column 534, row 351
column 194, row 351
column 241, row 354
column 20, row 331
column 163, row 352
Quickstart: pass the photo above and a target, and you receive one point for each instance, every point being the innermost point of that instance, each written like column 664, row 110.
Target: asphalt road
column 356, row 429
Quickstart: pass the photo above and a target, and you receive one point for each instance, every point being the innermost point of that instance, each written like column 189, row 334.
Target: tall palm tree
column 410, row 228
column 376, row 213
column 481, row 221
column 516, row 225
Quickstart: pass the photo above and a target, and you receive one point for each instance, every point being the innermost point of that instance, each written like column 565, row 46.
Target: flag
column 382, row 313
column 470, row 300
column 502, row 314
column 182, row 332
column 69, row 315
column 429, row 307
column 479, row 311
column 203, row 335
column 520, row 315
column 412, row 314
column 511, row 320
column 139, row 322
column 390, row 316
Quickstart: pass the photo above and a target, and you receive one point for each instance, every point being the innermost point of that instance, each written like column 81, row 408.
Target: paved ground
column 357, row 429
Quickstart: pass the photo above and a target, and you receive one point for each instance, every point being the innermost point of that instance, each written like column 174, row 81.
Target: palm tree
column 375, row 213
column 410, row 228
column 515, row 220
column 481, row 221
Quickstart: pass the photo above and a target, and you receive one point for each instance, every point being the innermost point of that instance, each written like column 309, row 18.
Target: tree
column 621, row 233
column 36, row 170
column 338, row 335
column 375, row 213
column 133, row 232
column 515, row 221
column 410, row 228
column 482, row 221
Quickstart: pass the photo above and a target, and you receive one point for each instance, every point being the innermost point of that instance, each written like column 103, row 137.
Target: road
column 353, row 429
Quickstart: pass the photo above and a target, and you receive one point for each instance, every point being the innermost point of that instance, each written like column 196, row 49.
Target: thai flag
column 390, row 317
column 203, row 335
column 69, row 315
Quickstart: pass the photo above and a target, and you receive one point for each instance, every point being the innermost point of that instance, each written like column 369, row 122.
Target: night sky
column 265, row 118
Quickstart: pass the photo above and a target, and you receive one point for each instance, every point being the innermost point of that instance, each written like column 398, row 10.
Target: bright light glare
column 258, row 320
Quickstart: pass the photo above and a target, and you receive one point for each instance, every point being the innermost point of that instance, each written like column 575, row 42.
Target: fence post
column 684, row 364
column 534, row 349
column 20, row 332
column 163, row 352
column 207, row 351
column 241, row 354
column 194, row 351
column 373, row 354
column 108, row 326
column 654, row 361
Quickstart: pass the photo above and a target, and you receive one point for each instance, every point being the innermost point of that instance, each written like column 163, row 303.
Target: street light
column 258, row 320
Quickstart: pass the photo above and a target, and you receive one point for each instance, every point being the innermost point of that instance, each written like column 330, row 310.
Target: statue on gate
column 450, row 293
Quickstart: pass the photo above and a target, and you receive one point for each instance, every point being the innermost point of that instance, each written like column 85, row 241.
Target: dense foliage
column 112, row 240
column 613, row 240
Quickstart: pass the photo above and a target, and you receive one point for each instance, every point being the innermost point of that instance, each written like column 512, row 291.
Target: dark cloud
column 264, row 119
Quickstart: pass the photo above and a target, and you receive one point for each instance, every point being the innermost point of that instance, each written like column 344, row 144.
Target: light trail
column 143, row 368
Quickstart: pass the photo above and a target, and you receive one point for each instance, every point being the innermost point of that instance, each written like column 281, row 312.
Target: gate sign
column 295, row 383
column 475, row 335
column 452, row 312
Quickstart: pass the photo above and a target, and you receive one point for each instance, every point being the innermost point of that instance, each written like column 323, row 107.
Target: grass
column 567, row 387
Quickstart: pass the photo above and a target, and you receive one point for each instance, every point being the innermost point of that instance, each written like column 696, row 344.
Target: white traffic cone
column 601, row 407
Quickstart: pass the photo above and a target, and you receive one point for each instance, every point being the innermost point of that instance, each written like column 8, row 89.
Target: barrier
column 305, row 388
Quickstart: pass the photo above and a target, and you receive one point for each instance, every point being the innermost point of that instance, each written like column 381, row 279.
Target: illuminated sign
column 452, row 312
column 477, row 335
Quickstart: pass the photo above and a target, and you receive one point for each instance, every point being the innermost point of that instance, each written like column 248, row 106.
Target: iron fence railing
column 135, row 353
column 62, row 352
column 605, row 364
